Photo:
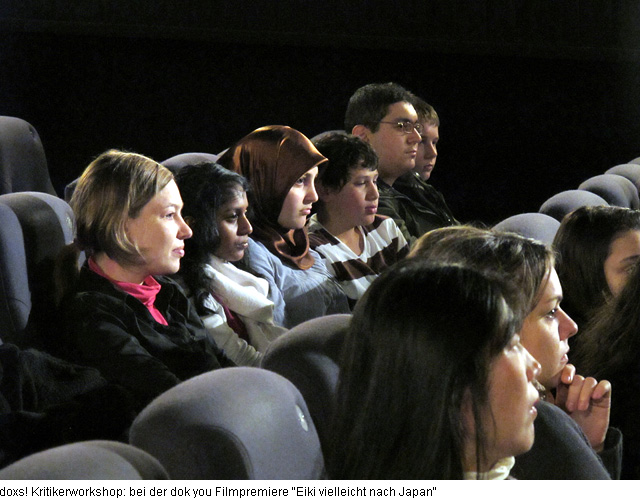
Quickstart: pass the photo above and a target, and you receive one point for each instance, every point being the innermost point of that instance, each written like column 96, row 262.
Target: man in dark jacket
column 384, row 116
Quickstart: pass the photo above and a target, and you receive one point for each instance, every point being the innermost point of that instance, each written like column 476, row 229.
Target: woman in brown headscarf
column 281, row 165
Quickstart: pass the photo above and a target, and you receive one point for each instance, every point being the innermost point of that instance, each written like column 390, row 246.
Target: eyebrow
column 631, row 258
column 555, row 298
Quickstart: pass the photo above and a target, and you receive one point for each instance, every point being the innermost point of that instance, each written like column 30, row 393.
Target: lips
column 373, row 209
column 179, row 251
column 534, row 410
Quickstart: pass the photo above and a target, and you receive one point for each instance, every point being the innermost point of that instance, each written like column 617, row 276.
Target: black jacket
column 114, row 332
column 414, row 205
column 562, row 451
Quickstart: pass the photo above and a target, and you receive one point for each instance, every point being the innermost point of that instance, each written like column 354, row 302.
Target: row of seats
column 234, row 423
column 618, row 186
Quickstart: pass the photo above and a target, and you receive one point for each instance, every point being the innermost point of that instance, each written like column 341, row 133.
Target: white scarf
column 500, row 470
column 242, row 292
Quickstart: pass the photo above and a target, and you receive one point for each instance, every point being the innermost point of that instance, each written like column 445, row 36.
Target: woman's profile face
column 297, row 205
column 233, row 227
column 624, row 252
column 512, row 397
column 159, row 232
column 546, row 331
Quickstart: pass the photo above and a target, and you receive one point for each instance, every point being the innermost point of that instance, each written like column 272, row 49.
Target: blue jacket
column 298, row 294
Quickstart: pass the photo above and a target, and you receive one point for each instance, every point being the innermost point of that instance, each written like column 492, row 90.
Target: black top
column 416, row 206
column 114, row 332
column 562, row 451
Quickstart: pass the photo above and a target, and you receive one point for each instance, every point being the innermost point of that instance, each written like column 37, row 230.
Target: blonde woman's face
column 159, row 232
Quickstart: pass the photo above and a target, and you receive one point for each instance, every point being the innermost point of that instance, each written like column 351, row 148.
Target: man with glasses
column 383, row 115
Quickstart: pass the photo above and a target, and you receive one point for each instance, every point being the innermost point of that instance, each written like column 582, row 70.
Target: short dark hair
column 345, row 152
column 405, row 371
column 370, row 104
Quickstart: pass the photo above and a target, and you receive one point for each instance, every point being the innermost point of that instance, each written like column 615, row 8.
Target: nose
column 244, row 226
column 430, row 150
column 184, row 231
column 372, row 192
column 311, row 195
column 414, row 137
column 567, row 327
column 533, row 367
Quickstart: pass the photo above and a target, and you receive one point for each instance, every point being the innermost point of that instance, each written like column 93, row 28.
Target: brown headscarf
column 272, row 159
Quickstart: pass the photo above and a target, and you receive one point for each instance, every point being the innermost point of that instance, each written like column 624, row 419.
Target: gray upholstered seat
column 175, row 163
column 562, row 203
column 616, row 190
column 309, row 356
column 231, row 423
column 23, row 165
column 88, row 460
column 34, row 227
column 534, row 225
column 629, row 170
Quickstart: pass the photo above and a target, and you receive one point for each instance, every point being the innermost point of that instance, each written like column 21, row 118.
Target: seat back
column 23, row 165
column 309, row 356
column 562, row 203
column 629, row 170
column 34, row 227
column 90, row 460
column 175, row 163
column 616, row 190
column 231, row 423
column 534, row 225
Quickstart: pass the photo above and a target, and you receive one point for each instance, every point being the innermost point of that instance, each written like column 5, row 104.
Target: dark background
column 534, row 96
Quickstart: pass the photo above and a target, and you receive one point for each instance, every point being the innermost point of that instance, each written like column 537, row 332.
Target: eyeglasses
column 406, row 127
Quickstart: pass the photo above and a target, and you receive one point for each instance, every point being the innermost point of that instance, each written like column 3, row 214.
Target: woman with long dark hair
column 597, row 248
column 440, row 391
column 610, row 347
column 525, row 267
column 232, row 303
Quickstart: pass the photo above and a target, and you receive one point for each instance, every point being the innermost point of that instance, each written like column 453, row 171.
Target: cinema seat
column 231, row 423
column 88, row 460
column 23, row 165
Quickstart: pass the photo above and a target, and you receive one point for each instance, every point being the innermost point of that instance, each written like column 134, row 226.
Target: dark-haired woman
column 565, row 446
column 232, row 303
column 610, row 347
column 597, row 247
column 428, row 392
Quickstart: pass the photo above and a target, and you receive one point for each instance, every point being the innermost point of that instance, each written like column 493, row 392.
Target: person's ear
column 361, row 131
